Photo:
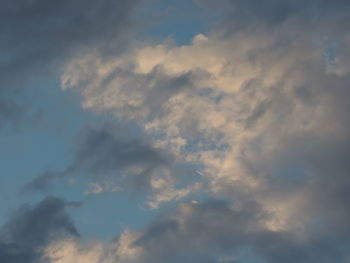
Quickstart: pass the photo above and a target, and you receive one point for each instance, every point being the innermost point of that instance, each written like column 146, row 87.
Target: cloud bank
column 38, row 36
column 259, row 105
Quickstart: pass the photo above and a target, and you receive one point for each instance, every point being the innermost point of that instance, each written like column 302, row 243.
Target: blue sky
column 44, row 140
column 174, row 131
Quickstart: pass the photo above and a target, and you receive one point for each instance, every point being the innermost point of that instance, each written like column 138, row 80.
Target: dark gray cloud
column 312, row 160
column 214, row 231
column 255, row 15
column 103, row 153
column 37, row 36
column 165, row 87
column 38, row 33
column 32, row 227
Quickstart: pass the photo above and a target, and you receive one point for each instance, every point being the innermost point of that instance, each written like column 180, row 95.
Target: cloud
column 32, row 227
column 37, row 33
column 212, row 231
column 258, row 106
column 207, row 232
column 113, row 160
column 254, row 16
column 115, row 251
column 38, row 37
column 101, row 153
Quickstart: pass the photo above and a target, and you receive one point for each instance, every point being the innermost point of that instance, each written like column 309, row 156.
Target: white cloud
column 98, row 188
column 73, row 251
column 246, row 108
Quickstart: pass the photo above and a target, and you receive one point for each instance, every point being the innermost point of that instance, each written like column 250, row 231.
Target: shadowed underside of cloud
column 111, row 161
column 213, row 231
column 32, row 228
column 38, row 33
column 102, row 154
column 38, row 36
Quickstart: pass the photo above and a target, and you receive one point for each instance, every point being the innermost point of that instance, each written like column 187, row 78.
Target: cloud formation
column 37, row 37
column 261, row 106
column 32, row 228
column 112, row 160
column 213, row 231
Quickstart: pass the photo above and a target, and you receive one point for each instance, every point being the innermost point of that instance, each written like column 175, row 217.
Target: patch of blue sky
column 293, row 173
column 211, row 94
column 180, row 20
column 45, row 138
column 204, row 144
column 112, row 213
column 329, row 55
column 103, row 215
column 290, row 177
column 42, row 141
column 45, row 141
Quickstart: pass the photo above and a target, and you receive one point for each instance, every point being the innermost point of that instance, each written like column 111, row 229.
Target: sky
column 190, row 131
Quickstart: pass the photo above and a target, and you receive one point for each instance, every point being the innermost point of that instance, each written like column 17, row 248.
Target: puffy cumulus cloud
column 119, row 250
column 66, row 251
column 38, row 36
column 32, row 228
column 260, row 105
